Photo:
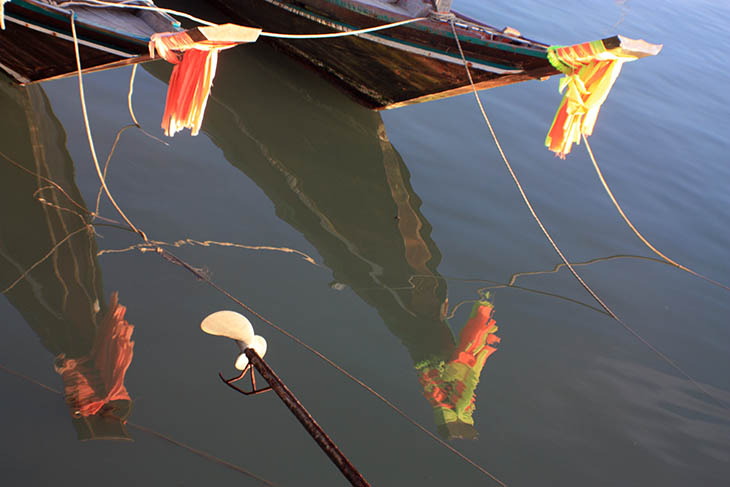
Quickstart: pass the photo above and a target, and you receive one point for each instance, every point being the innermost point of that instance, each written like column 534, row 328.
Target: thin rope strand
column 131, row 110
column 56, row 186
column 89, row 136
column 660, row 354
column 200, row 453
column 277, row 35
column 106, row 164
column 169, row 256
column 44, row 258
column 634, row 229
column 129, row 95
column 519, row 185
column 150, row 431
column 340, row 34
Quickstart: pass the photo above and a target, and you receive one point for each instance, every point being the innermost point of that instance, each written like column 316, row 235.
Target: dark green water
column 285, row 160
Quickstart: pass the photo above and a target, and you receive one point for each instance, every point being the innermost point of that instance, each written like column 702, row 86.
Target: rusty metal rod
column 306, row 419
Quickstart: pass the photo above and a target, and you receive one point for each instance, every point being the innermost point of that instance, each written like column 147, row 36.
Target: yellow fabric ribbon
column 590, row 71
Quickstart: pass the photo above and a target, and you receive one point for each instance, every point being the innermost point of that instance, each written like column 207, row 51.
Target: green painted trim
column 398, row 41
column 533, row 52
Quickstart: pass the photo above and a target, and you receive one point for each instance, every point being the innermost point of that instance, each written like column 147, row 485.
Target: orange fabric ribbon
column 590, row 71
column 92, row 381
column 192, row 76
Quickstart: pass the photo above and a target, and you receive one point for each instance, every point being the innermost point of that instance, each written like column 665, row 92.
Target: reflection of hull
column 59, row 297
column 408, row 64
column 37, row 43
column 341, row 183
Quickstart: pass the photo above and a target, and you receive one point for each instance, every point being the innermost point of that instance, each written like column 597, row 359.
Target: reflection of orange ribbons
column 450, row 387
column 95, row 380
column 192, row 76
column 590, row 71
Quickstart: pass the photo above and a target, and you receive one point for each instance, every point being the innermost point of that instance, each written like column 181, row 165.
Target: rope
column 170, row 257
column 55, row 185
column 88, row 132
column 174, row 259
column 608, row 310
column 150, row 431
column 125, row 4
column 519, row 185
column 44, row 258
column 340, row 34
column 131, row 110
column 636, row 232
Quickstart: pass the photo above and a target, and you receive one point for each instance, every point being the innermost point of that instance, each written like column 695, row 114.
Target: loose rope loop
column 603, row 305
column 90, row 137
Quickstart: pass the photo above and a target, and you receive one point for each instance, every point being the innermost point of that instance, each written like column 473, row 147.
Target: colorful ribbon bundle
column 590, row 71
column 95, row 380
column 192, row 76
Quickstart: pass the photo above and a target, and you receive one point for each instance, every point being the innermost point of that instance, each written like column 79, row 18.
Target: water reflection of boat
column 61, row 297
column 340, row 182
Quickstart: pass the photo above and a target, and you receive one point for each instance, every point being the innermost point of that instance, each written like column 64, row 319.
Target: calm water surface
column 285, row 160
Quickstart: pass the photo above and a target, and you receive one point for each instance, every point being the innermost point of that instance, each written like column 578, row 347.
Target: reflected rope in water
column 177, row 261
column 200, row 275
column 151, row 246
column 613, row 315
column 45, row 257
column 150, row 431
column 55, row 186
column 511, row 284
column 135, row 123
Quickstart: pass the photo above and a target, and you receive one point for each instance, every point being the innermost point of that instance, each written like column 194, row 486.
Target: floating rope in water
column 595, row 296
column 150, row 431
column 2, row 13
column 90, row 138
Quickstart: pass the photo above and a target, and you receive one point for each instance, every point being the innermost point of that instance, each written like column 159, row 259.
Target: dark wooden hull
column 37, row 43
column 400, row 66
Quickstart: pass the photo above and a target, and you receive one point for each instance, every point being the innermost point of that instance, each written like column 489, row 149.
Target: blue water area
column 370, row 237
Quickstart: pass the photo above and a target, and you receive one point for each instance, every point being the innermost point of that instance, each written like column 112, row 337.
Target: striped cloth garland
column 192, row 76
column 590, row 71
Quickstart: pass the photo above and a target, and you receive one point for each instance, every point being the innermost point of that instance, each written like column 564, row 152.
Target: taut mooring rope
column 176, row 260
column 603, row 305
column 150, row 431
column 636, row 232
column 169, row 256
column 89, row 136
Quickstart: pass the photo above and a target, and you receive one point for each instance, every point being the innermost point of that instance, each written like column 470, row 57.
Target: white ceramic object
column 228, row 324
column 259, row 345
column 241, row 362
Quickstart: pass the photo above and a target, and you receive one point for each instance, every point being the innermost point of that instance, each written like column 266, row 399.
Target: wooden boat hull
column 399, row 66
column 37, row 42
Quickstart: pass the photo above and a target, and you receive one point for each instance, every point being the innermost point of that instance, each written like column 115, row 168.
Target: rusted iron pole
column 306, row 419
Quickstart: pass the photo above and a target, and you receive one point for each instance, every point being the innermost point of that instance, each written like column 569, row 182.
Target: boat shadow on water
column 338, row 180
column 49, row 270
